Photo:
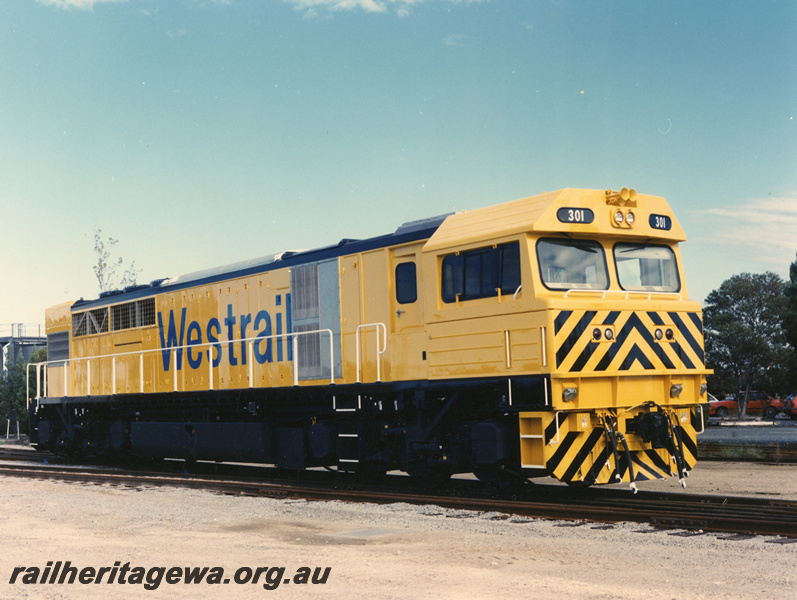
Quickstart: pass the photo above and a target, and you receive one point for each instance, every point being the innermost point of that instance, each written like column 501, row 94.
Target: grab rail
column 172, row 350
column 380, row 327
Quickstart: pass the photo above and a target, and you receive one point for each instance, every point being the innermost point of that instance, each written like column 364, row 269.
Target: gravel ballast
column 387, row 551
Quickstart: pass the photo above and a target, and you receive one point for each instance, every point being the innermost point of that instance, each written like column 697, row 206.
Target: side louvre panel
column 316, row 305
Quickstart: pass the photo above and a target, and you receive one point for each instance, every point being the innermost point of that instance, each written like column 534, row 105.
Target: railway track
column 771, row 452
column 690, row 512
column 774, row 452
column 26, row 453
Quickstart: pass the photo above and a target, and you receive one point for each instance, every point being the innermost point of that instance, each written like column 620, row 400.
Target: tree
column 745, row 340
column 107, row 267
column 13, row 391
column 790, row 324
column 13, row 402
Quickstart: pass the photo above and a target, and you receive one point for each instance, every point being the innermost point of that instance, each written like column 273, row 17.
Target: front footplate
column 602, row 447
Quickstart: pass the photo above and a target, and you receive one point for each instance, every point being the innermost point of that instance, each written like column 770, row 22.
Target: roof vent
column 420, row 225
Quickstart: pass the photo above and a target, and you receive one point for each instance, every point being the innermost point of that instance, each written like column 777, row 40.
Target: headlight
column 629, row 218
column 618, row 217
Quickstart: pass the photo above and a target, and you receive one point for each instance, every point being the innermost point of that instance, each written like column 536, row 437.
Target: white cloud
column 79, row 4
column 758, row 230
column 372, row 6
column 312, row 8
column 750, row 236
column 402, row 8
column 89, row 4
column 454, row 39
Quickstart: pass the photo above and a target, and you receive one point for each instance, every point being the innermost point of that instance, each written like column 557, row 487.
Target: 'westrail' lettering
column 176, row 334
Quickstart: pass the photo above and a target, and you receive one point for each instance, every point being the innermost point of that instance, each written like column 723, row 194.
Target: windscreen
column 641, row 267
column 572, row 264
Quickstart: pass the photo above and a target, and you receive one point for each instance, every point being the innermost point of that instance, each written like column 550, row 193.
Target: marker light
column 609, row 334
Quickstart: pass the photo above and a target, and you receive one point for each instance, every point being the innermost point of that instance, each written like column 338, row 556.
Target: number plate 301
column 575, row 215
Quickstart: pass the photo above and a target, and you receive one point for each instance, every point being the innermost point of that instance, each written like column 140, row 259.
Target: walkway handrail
column 380, row 349
column 250, row 341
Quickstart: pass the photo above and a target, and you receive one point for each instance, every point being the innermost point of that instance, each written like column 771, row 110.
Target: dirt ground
column 378, row 552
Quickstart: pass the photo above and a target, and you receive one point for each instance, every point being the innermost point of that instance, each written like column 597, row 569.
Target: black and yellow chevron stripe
column 633, row 347
column 575, row 456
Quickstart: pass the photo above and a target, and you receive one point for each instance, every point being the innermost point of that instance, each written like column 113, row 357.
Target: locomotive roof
column 406, row 233
column 532, row 214
column 539, row 214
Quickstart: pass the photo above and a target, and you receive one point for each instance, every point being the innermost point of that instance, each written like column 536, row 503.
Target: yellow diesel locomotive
column 548, row 336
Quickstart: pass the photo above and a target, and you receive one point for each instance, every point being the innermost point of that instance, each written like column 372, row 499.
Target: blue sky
column 200, row 132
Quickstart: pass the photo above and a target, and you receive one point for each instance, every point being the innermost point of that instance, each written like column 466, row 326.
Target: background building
column 19, row 339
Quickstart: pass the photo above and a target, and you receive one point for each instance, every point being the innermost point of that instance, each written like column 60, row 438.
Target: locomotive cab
column 591, row 296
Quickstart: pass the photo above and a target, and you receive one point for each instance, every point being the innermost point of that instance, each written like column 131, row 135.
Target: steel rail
column 26, row 453
column 704, row 513
column 713, row 451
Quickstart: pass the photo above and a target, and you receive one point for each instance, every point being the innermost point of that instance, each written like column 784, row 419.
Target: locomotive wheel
column 578, row 485
column 430, row 478
column 501, row 479
column 65, row 444
column 371, row 472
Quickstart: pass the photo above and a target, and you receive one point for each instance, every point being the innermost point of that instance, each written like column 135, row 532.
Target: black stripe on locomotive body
column 633, row 346
column 522, row 393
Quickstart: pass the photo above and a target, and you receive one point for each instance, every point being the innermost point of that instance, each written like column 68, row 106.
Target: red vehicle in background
column 790, row 405
column 758, row 404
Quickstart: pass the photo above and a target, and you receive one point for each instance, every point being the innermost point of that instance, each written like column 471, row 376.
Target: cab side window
column 406, row 283
column 481, row 273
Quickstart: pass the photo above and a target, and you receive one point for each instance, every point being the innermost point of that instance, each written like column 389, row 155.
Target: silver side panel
column 315, row 299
